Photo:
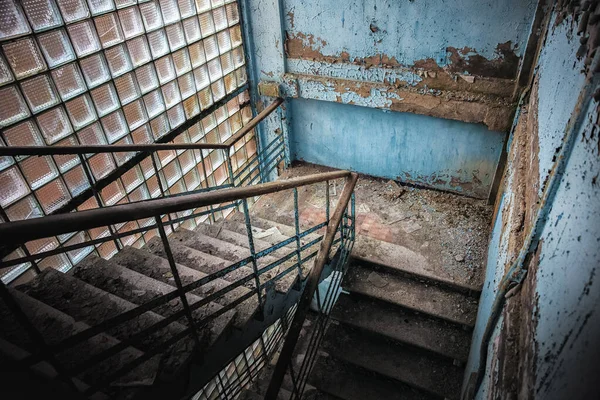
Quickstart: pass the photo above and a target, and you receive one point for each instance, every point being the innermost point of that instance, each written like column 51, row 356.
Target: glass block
column 159, row 126
column 39, row 93
column 176, row 116
column 230, row 82
column 202, row 5
column 139, row 52
column 59, row 262
column 170, row 11
column 67, row 161
column 241, row 76
column 135, row 114
column 191, row 107
column 159, row 46
column 186, row 8
column 165, row 69
column 151, row 15
column 79, row 254
column 53, row 195
column 112, row 193
column 42, row 14
column 115, row 126
column 182, row 62
column 73, row 10
column 101, row 6
column 24, row 57
column 209, row 123
column 220, row 18
column 83, row 37
column 154, row 103
column 81, row 112
column 5, row 73
column 192, row 180
column 146, row 77
column 38, row 170
column 205, row 98
column 56, row 47
column 122, row 157
column 76, row 181
column 171, row 173
column 227, row 63
column 54, row 125
column 95, row 70
column 107, row 250
column 236, row 36
column 24, row 134
column 101, row 165
column 131, row 22
column 224, row 131
column 142, row 135
column 105, row 99
column 26, row 208
column 171, row 94
column 195, row 132
column 214, row 69
column 191, row 30
column 220, row 114
column 92, row 135
column 12, row 20
column 187, row 87
column 211, row 47
column 12, row 106
column 233, row 15
column 118, row 60
column 147, row 167
column 197, row 55
column 127, row 88
column 238, row 57
column 132, row 178
column 109, row 29
column 175, row 36
column 139, row 194
column 207, row 25
column 201, row 77
column 124, row 3
column 224, row 41
column 13, row 186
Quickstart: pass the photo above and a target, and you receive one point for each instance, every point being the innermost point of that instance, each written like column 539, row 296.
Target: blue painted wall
column 395, row 145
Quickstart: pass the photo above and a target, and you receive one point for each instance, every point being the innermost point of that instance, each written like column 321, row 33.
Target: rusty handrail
column 311, row 286
column 153, row 147
column 19, row 232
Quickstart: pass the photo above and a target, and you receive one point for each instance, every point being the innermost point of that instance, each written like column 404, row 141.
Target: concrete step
column 140, row 289
column 55, row 326
column 88, row 304
column 403, row 325
column 158, row 268
column 393, row 360
column 287, row 230
column 396, row 258
column 349, row 382
column 418, row 296
column 234, row 253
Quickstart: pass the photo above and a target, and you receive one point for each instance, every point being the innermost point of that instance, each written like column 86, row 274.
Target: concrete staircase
column 61, row 305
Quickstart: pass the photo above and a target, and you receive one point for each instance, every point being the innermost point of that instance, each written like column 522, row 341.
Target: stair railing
column 19, row 232
column 343, row 220
column 256, row 169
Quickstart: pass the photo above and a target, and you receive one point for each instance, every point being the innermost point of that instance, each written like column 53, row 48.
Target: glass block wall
column 115, row 72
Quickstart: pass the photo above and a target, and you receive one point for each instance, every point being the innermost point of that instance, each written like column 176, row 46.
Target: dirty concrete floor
column 448, row 231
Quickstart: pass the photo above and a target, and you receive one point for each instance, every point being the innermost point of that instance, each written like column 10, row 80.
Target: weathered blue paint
column 409, row 147
column 409, row 31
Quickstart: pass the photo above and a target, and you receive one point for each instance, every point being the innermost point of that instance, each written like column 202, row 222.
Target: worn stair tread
column 348, row 382
column 418, row 296
column 158, row 268
column 88, row 304
column 393, row 360
column 140, row 289
column 403, row 325
column 55, row 326
column 401, row 259
column 287, row 230
column 234, row 253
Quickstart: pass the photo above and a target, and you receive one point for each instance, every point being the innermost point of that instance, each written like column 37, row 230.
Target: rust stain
column 467, row 60
column 291, row 16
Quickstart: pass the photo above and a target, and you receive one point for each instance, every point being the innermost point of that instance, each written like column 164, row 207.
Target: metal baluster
column 35, row 335
column 327, row 206
column 223, row 390
column 212, row 212
column 182, row 297
column 92, row 182
column 252, row 253
column 297, row 225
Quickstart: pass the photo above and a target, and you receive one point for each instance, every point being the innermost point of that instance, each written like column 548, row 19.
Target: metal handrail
column 31, row 229
column 111, row 148
column 311, row 286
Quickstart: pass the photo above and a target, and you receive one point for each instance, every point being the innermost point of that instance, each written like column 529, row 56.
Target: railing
column 255, row 169
column 158, row 210
column 343, row 220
